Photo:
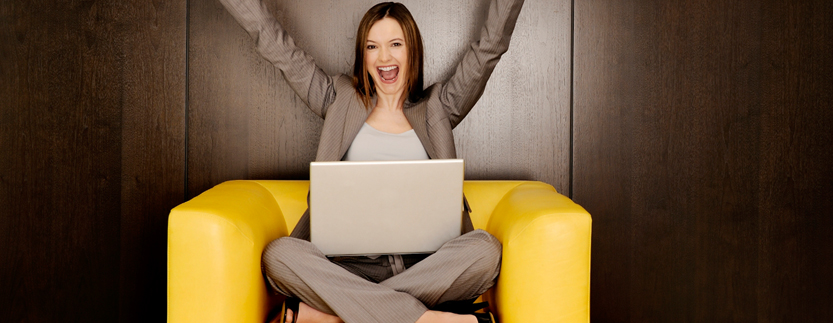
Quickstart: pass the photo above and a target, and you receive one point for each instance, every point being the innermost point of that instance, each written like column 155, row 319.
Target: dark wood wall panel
column 700, row 142
column 700, row 152
column 92, row 132
column 245, row 121
column 796, row 178
column 153, row 150
column 60, row 124
column 603, row 83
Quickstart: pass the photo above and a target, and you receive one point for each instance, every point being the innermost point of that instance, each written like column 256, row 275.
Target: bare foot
column 307, row 314
column 445, row 317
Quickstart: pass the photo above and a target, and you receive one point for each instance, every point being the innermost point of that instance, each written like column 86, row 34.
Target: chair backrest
column 483, row 196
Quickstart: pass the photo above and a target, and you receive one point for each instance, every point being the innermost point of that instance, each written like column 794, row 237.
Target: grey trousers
column 364, row 291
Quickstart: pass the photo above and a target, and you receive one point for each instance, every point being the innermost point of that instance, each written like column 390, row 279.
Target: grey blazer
column 334, row 98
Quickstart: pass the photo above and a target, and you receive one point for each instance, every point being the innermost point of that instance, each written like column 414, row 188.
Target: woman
column 382, row 112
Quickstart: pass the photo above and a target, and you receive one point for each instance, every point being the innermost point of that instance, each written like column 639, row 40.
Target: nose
column 384, row 54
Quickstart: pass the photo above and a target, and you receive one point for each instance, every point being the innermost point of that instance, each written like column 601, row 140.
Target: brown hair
column 363, row 83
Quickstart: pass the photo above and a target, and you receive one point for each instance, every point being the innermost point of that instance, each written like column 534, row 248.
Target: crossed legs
column 463, row 268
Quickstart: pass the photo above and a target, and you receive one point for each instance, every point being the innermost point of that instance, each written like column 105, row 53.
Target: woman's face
column 386, row 56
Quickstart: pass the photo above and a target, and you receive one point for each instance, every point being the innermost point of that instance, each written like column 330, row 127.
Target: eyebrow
column 392, row 40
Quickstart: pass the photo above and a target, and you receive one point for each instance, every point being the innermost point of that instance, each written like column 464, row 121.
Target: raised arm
column 466, row 85
column 311, row 84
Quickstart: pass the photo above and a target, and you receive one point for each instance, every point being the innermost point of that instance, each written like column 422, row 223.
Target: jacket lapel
column 355, row 117
column 415, row 113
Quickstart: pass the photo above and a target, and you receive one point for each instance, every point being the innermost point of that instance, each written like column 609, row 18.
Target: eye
column 397, row 44
column 370, row 47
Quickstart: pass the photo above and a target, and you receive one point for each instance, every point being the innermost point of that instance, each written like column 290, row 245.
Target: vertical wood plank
column 796, row 179
column 153, row 150
column 247, row 123
column 60, row 124
column 604, row 83
column 699, row 149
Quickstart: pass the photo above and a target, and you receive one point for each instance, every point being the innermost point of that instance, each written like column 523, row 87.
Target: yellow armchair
column 215, row 241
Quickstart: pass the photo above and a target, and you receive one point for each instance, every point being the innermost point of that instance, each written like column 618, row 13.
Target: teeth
column 387, row 69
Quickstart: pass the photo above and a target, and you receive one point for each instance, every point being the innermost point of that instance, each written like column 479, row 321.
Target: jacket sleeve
column 315, row 88
column 466, row 85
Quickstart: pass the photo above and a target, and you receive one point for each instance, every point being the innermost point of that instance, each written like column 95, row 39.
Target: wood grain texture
column 92, row 122
column 690, row 118
column 239, row 105
column 60, row 124
column 701, row 142
column 246, row 122
column 796, row 178
column 602, row 163
column 152, row 150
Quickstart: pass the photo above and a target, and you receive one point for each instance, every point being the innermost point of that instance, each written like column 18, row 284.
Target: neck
column 390, row 101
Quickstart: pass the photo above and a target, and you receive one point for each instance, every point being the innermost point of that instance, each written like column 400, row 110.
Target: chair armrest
column 545, row 273
column 215, row 242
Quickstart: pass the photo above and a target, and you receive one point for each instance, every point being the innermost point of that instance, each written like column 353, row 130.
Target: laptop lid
column 385, row 207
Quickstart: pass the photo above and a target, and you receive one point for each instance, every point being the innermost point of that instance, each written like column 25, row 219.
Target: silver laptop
column 385, row 207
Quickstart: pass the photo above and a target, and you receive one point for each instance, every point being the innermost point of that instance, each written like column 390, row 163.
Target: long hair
column 363, row 83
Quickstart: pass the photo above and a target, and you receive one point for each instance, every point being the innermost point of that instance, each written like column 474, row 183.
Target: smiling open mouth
column 388, row 74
